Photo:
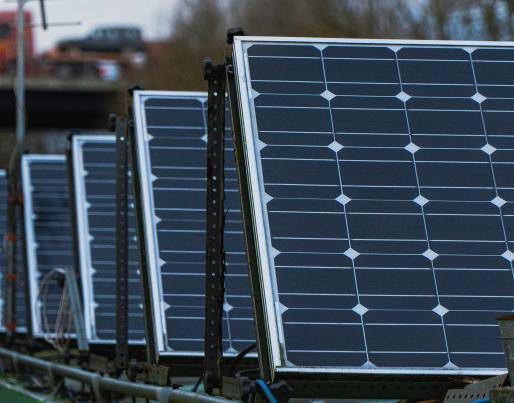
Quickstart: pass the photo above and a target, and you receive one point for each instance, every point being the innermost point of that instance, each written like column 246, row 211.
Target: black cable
column 239, row 357
column 197, row 384
column 249, row 373
column 233, row 364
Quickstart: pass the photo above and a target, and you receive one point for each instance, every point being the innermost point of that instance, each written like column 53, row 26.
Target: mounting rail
column 215, row 252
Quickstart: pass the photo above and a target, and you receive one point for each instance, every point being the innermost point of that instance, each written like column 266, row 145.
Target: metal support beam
column 10, row 243
column 251, row 251
column 151, row 350
column 76, row 310
column 122, row 358
column 215, row 253
column 14, row 214
column 73, row 208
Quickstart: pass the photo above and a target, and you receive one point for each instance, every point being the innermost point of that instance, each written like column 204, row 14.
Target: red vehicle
column 8, row 42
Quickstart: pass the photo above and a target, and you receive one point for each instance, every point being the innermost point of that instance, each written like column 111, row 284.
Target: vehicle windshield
column 115, row 34
column 132, row 34
column 5, row 29
column 97, row 34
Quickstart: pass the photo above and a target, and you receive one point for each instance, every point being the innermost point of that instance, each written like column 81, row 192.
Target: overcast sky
column 152, row 15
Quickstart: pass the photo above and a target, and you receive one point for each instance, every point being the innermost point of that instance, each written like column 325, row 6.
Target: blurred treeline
column 198, row 27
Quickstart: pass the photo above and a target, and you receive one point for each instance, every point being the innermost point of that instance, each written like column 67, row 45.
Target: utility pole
column 13, row 208
column 15, row 201
column 20, row 76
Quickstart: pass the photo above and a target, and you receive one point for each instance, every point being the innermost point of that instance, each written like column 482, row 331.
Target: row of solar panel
column 173, row 154
column 378, row 200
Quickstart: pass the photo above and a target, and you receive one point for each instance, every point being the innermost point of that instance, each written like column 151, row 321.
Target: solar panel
column 171, row 156
column 382, row 202
column 94, row 171
column 20, row 309
column 47, row 234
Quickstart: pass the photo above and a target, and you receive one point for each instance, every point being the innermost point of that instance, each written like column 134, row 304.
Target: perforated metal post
column 121, row 359
column 10, row 275
column 215, row 253
column 14, row 201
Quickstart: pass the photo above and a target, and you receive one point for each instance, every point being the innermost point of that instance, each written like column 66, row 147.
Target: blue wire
column 265, row 389
column 481, row 401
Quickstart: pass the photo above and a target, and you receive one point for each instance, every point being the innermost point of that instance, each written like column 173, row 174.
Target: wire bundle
column 63, row 321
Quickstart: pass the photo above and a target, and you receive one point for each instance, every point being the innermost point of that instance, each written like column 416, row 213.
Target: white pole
column 20, row 76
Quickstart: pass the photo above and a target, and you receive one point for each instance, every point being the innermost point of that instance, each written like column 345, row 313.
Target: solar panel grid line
column 159, row 143
column 38, row 196
column 249, row 93
column 94, row 173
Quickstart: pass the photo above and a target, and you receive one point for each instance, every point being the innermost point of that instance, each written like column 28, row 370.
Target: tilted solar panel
column 47, row 235
column 171, row 157
column 21, row 286
column 380, row 176
column 94, row 172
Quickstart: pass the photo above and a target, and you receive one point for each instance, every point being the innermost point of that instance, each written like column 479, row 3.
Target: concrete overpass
column 63, row 104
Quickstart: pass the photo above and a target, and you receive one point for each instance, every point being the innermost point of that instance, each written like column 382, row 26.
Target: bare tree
column 199, row 26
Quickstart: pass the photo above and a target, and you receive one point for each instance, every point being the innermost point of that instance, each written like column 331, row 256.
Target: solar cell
column 382, row 201
column 47, row 234
column 171, row 147
column 94, row 171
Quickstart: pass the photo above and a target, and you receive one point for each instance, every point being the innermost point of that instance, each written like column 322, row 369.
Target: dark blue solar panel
column 94, row 170
column 382, row 190
column 20, row 309
column 47, row 234
column 171, row 146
